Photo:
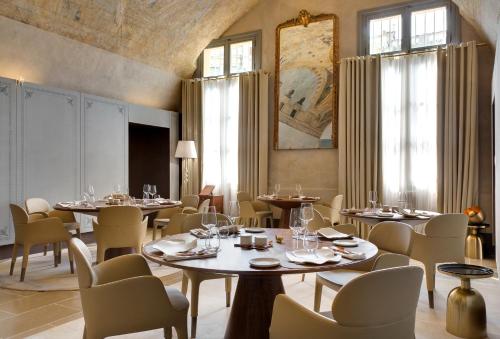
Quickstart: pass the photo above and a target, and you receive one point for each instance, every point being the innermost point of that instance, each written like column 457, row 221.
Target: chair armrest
column 325, row 211
column 122, row 267
column 189, row 210
column 37, row 216
column 65, row 216
column 129, row 305
column 45, row 230
column 168, row 213
column 293, row 321
column 260, row 206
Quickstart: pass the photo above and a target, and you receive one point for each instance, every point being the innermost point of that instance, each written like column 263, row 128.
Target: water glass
column 91, row 193
column 310, row 241
column 145, row 192
column 295, row 223
column 234, row 211
column 117, row 188
column 223, row 228
column 298, row 188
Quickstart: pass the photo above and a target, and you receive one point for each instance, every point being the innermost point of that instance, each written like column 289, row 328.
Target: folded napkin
column 195, row 253
column 152, row 204
column 332, row 234
column 319, row 257
column 199, row 233
column 349, row 254
column 175, row 244
column 66, row 204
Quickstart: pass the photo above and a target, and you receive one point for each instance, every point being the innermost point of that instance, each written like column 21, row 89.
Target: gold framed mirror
column 306, row 82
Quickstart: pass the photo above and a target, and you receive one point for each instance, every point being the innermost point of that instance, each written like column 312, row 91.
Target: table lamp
column 186, row 149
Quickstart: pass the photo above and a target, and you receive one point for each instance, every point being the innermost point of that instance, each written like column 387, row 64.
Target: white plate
column 254, row 230
column 264, row 262
column 320, row 257
column 346, row 243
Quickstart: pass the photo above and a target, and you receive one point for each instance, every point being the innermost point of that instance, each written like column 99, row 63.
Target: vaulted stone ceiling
column 168, row 34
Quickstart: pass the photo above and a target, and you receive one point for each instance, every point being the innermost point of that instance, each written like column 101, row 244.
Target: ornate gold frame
column 304, row 19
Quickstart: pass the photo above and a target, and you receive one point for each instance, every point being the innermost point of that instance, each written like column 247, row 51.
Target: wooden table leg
column 285, row 218
column 253, row 306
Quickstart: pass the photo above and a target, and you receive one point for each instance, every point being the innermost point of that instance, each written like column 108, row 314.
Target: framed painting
column 305, row 91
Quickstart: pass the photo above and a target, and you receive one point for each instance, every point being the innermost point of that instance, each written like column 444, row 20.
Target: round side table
column 466, row 311
column 473, row 243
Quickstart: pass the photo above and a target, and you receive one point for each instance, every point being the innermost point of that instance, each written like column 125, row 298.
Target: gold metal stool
column 466, row 311
column 473, row 242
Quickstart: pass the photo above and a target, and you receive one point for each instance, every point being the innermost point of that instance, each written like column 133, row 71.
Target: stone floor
column 58, row 314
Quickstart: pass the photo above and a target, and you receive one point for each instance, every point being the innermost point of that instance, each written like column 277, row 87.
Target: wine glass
column 117, row 188
column 145, row 192
column 91, row 193
column 234, row 211
column 372, row 198
column 152, row 191
column 298, row 188
column 310, row 241
column 277, row 188
column 295, row 223
column 306, row 213
column 402, row 200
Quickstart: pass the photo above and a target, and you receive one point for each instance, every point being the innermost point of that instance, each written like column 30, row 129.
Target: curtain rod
column 235, row 75
column 479, row 44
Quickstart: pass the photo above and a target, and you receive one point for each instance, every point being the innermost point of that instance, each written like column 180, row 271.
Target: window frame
column 453, row 34
column 226, row 42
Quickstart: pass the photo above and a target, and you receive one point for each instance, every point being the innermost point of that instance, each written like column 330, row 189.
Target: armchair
column 331, row 212
column 109, row 307
column 253, row 212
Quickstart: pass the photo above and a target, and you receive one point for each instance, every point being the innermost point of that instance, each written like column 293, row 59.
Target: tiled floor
column 57, row 315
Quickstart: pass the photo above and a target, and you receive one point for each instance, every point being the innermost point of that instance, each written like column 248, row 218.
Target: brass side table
column 473, row 242
column 466, row 311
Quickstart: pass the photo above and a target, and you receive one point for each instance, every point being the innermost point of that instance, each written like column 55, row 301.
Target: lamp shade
column 186, row 149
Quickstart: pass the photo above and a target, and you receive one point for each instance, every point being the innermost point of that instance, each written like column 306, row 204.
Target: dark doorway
column 149, row 159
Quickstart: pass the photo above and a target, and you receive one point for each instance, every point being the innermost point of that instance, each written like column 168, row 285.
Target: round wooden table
column 286, row 204
column 95, row 207
column 375, row 219
column 253, row 302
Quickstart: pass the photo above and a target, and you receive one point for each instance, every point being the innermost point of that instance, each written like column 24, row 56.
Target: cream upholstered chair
column 190, row 203
column 196, row 277
column 377, row 305
column 203, row 206
column 119, row 226
column 163, row 218
column 121, row 296
column 33, row 230
column 331, row 212
column 42, row 206
column 393, row 240
column 443, row 241
column 253, row 212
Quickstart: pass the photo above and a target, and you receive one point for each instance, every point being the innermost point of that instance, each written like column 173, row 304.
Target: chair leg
column 430, row 273
column 182, row 331
column 78, row 233
column 303, row 277
column 14, row 257
column 70, row 257
column 430, row 295
column 56, row 258
column 228, row 291
column 167, row 332
column 100, row 253
column 318, row 289
column 185, row 280
column 26, row 253
column 45, row 249
column 154, row 230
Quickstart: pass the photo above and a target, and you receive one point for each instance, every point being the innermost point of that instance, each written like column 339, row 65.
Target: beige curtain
column 253, row 133
column 191, row 130
column 457, row 135
column 359, row 109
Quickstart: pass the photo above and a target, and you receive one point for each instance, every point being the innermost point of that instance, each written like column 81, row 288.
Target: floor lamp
column 186, row 149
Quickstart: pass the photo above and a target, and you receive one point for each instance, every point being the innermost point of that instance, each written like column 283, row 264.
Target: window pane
column 241, row 57
column 428, row 27
column 385, row 35
column 213, row 61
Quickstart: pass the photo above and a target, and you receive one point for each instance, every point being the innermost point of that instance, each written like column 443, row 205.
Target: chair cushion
column 162, row 222
column 177, row 299
column 338, row 278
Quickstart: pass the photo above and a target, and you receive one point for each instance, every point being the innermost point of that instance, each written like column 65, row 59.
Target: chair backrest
column 246, row 209
column 190, row 201
column 447, row 226
column 243, row 196
column 392, row 236
column 194, row 221
column 317, row 222
column 347, row 229
column 83, row 260
column 336, row 207
column 19, row 215
column 120, row 216
column 204, row 205
column 175, row 226
column 379, row 298
column 388, row 260
column 34, row 205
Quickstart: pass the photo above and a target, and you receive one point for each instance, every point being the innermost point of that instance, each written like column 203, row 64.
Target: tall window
column 409, row 26
column 230, row 55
